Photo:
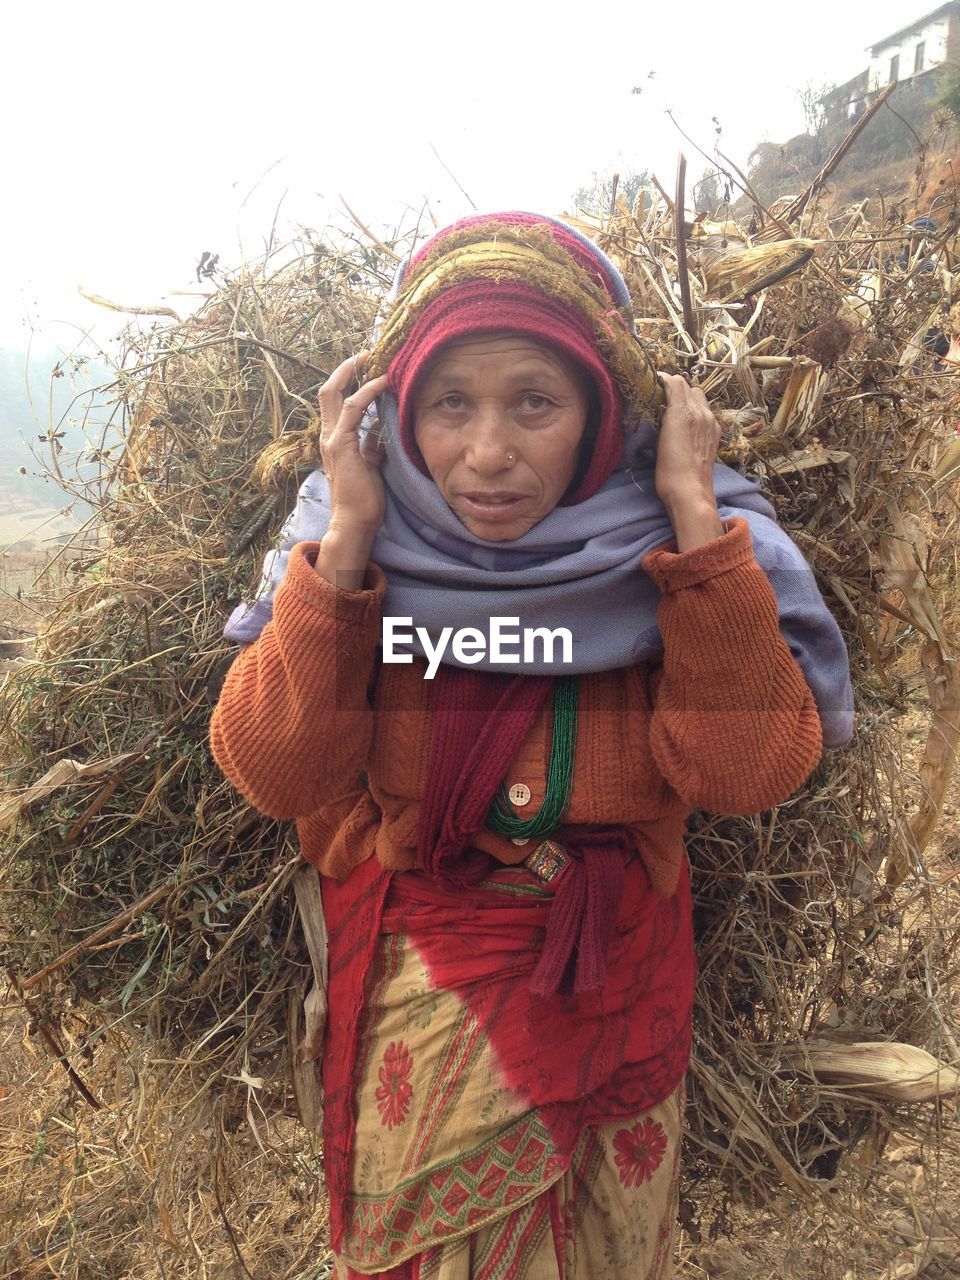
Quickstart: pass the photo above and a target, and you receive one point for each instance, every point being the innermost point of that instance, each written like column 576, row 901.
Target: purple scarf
column 578, row 568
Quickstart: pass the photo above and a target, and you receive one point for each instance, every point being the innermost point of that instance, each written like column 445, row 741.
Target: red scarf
column 480, row 721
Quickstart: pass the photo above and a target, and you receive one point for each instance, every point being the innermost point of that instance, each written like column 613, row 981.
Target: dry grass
column 150, row 939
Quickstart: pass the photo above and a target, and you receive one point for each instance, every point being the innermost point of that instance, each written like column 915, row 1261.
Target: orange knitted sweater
column 311, row 726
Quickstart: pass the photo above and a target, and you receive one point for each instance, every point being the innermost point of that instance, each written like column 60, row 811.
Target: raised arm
column 735, row 728
column 293, row 727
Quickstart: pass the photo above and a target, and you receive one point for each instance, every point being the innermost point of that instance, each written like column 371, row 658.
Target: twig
column 615, row 182
column 118, row 922
column 683, row 274
column 205, row 980
column 50, row 1040
column 226, row 1221
column 137, row 908
column 158, row 310
column 841, row 150
column 453, row 177
column 369, row 234
column 107, row 788
column 284, row 355
column 667, row 201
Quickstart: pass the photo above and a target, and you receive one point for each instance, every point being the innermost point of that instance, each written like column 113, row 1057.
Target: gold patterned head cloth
column 522, row 273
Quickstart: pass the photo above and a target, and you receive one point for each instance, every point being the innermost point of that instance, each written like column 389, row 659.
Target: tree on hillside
column 814, row 115
column 707, row 194
column 773, row 170
column 597, row 195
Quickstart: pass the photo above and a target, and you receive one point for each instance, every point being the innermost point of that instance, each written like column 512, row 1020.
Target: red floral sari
column 462, row 1113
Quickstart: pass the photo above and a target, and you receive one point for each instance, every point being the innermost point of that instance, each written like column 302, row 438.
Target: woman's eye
column 452, row 400
column 534, row 401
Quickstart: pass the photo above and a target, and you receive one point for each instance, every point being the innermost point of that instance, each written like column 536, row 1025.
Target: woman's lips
column 492, row 505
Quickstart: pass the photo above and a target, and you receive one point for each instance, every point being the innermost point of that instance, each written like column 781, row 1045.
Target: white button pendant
column 519, row 794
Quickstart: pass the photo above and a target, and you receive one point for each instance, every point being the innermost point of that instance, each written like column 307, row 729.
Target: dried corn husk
column 914, row 349
column 750, row 420
column 737, row 274
column 801, row 399
column 903, row 554
column 886, row 1070
column 949, row 465
column 718, row 235
column 62, row 774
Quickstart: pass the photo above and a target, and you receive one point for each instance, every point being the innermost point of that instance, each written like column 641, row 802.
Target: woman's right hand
column 352, row 469
column 357, row 501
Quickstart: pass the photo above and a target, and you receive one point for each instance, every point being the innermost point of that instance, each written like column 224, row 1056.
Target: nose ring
column 511, row 457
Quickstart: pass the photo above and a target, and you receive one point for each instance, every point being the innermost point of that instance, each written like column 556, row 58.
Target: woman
column 500, row 833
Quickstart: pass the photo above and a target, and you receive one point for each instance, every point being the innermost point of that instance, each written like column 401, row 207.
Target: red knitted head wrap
column 478, row 305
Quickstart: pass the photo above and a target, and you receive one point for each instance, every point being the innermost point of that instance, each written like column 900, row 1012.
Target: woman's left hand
column 686, row 454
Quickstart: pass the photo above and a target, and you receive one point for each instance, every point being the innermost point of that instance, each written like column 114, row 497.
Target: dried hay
column 152, row 938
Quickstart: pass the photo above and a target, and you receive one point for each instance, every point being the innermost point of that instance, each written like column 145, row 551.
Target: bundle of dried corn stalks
column 150, row 908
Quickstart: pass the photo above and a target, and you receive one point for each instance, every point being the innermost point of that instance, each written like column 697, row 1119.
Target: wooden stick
column 689, row 320
column 369, row 234
column 306, row 1049
column 306, row 887
column 158, row 310
column 666, row 198
column 137, row 752
column 804, row 198
column 50, row 1040
column 284, row 355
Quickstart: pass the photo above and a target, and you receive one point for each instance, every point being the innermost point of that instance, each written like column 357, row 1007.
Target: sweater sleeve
column 292, row 727
column 735, row 728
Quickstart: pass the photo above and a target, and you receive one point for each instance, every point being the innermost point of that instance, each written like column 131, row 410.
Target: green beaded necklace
column 563, row 747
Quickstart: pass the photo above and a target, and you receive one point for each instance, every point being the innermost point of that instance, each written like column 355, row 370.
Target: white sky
column 138, row 135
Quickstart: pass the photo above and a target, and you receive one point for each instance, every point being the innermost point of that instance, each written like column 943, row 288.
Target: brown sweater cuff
column 356, row 608
column 672, row 570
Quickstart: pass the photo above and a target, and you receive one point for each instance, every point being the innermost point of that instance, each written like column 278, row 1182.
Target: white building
column 914, row 56
column 923, row 45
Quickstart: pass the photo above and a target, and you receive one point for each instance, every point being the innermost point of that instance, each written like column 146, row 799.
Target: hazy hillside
column 912, row 126
column 32, row 402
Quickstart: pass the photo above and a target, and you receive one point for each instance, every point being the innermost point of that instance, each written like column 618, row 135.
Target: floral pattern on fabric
column 395, row 1090
column 421, row 1006
column 622, row 1246
column 537, row 1191
column 640, row 1151
column 370, row 1176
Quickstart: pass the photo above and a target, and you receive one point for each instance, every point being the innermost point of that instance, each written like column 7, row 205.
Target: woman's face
column 498, row 420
